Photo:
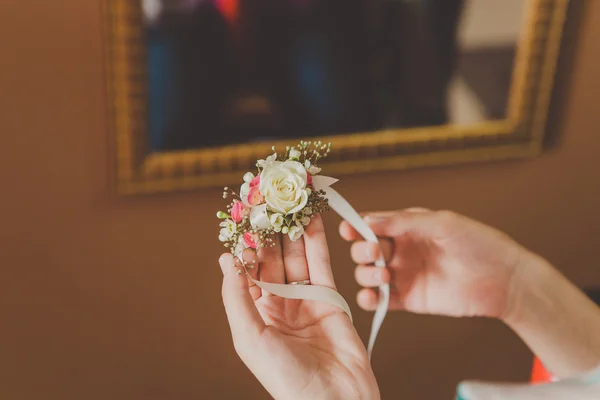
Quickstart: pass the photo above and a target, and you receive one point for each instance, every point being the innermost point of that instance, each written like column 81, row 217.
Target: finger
column 244, row 320
column 417, row 209
column 368, row 299
column 367, row 252
column 317, row 254
column 294, row 260
column 424, row 222
column 271, row 264
column 369, row 277
column 251, row 260
column 347, row 232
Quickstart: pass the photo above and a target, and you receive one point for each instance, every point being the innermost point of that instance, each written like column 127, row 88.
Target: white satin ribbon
column 325, row 294
column 306, row 292
column 346, row 211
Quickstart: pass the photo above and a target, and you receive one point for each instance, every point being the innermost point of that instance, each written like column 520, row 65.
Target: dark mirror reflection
column 237, row 71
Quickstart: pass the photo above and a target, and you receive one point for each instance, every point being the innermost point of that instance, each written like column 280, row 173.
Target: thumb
column 244, row 320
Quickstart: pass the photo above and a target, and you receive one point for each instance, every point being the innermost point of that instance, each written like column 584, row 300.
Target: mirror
column 218, row 81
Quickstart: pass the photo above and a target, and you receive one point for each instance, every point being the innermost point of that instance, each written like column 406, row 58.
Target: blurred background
column 119, row 298
column 255, row 70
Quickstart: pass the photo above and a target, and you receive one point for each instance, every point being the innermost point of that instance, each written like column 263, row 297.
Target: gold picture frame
column 136, row 171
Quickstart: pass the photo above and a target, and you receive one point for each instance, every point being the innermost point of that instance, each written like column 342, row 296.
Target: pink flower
column 255, row 181
column 250, row 240
column 239, row 211
column 255, row 197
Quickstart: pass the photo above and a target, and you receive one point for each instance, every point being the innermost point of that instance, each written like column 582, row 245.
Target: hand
column 438, row 263
column 297, row 349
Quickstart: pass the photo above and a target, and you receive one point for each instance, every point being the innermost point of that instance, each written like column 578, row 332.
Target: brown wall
column 104, row 298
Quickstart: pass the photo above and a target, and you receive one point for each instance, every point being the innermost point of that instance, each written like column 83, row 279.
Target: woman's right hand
column 438, row 262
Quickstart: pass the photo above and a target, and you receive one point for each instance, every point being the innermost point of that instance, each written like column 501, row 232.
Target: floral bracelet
column 279, row 199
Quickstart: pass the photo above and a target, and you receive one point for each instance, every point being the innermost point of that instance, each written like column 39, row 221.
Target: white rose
column 277, row 221
column 283, row 184
column 295, row 154
column 295, row 232
column 229, row 228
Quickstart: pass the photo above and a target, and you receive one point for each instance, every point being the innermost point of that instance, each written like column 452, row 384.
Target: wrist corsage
column 279, row 198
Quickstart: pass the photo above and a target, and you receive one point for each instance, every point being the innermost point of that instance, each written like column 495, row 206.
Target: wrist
column 557, row 321
column 528, row 289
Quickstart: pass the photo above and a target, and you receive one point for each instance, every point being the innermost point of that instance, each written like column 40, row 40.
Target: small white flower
column 244, row 190
column 277, row 221
column 305, row 221
column 313, row 170
column 264, row 163
column 240, row 247
column 295, row 232
column 229, row 229
column 248, row 177
column 259, row 219
column 295, row 154
column 307, row 211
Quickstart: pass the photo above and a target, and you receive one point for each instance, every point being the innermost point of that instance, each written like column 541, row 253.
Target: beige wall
column 104, row 298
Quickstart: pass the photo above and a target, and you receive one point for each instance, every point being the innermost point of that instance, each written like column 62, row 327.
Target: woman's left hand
column 297, row 349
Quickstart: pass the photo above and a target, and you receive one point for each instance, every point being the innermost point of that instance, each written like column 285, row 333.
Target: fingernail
column 222, row 264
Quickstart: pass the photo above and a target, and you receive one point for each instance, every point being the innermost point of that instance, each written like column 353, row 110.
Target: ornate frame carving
column 137, row 171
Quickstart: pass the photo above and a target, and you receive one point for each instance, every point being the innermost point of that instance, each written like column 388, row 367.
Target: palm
column 293, row 317
column 306, row 348
column 322, row 342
